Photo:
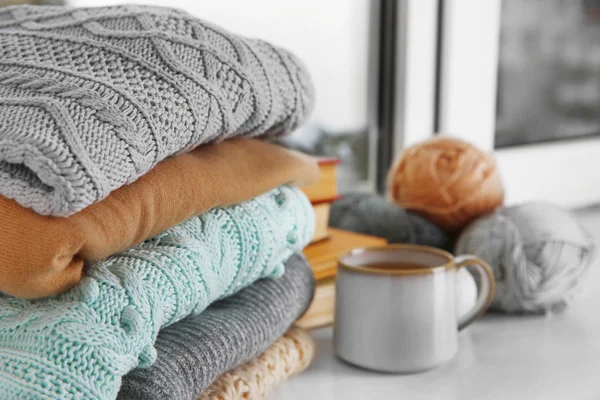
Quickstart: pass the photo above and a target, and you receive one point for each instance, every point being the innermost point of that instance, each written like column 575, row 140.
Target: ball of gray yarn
column 371, row 214
column 539, row 253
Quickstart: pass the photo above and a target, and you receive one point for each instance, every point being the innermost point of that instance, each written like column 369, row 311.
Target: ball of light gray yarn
column 539, row 253
column 371, row 214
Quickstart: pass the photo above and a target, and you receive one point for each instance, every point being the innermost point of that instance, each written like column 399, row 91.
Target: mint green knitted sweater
column 78, row 345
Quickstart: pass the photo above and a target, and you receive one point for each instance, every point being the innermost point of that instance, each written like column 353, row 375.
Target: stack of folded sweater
column 141, row 207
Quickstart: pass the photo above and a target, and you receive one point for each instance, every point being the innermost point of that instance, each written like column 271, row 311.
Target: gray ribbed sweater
column 92, row 98
column 194, row 352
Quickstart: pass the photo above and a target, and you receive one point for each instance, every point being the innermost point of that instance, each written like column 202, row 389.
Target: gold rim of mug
column 425, row 270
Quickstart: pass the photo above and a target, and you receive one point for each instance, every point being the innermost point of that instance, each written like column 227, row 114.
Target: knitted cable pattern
column 78, row 345
column 288, row 356
column 192, row 353
column 92, row 98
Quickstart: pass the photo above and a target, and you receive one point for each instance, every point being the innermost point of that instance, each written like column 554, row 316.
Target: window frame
column 565, row 172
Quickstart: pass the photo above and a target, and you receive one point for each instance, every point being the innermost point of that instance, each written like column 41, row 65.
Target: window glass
column 549, row 71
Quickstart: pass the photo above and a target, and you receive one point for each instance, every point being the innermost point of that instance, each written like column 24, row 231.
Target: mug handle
column 485, row 289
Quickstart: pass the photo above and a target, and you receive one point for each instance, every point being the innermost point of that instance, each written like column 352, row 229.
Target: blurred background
column 549, row 71
column 517, row 77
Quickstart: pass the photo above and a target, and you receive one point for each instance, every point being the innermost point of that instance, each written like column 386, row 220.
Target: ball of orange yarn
column 447, row 180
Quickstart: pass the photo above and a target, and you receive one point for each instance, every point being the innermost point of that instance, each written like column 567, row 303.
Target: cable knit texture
column 192, row 353
column 41, row 255
column 255, row 380
column 92, row 98
column 78, row 345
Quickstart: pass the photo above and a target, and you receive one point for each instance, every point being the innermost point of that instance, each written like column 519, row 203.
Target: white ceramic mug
column 403, row 319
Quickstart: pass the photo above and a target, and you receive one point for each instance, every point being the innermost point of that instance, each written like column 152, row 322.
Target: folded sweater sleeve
column 43, row 255
column 81, row 343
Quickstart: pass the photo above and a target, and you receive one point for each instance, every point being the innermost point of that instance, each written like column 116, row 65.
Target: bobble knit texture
column 79, row 345
column 93, row 98
column 192, row 353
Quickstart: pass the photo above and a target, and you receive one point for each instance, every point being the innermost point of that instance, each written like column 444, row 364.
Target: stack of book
column 322, row 194
column 327, row 245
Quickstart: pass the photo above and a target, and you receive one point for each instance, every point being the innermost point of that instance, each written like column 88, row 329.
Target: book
column 326, row 186
column 322, row 308
column 322, row 210
column 322, row 221
column 323, row 255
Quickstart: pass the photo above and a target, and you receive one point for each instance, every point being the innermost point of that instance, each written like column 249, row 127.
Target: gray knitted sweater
column 192, row 353
column 93, row 98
